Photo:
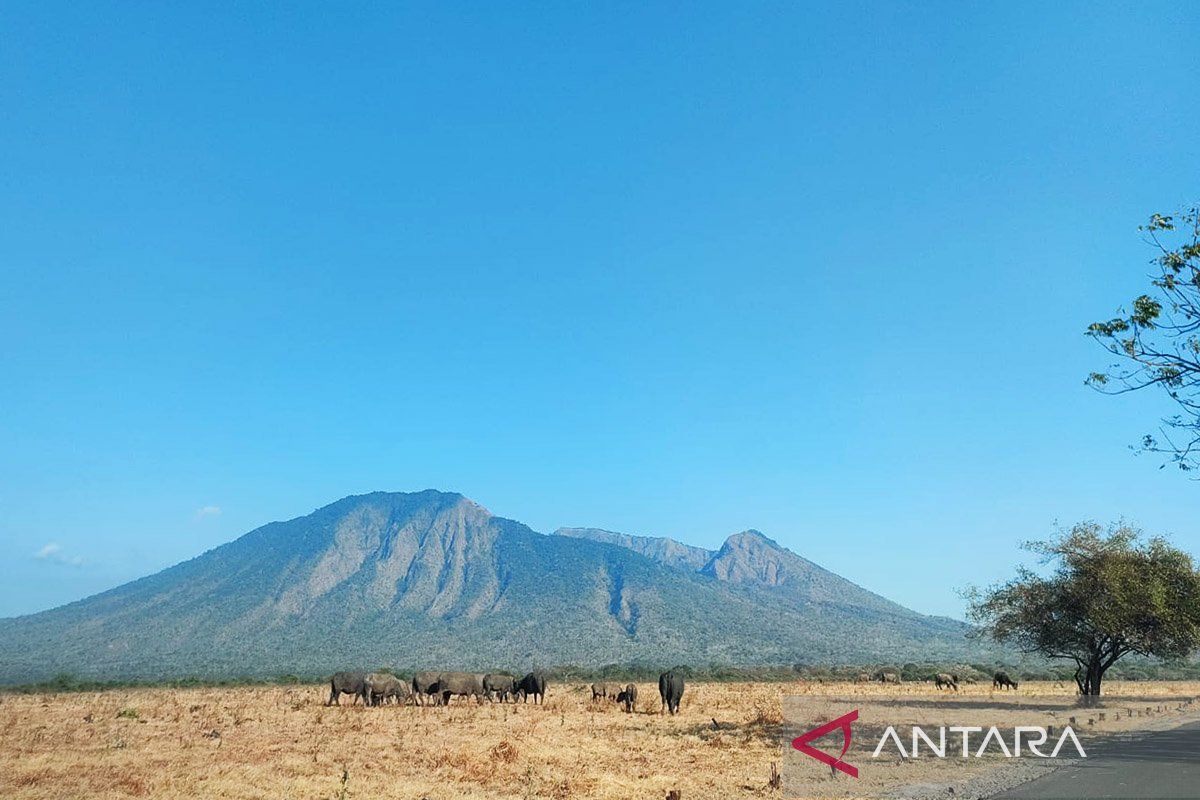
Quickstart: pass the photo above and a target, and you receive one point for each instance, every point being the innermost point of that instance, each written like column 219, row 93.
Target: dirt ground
column 283, row 743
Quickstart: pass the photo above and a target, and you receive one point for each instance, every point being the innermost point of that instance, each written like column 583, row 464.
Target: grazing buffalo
column 889, row 677
column 533, row 684
column 464, row 684
column 627, row 698
column 354, row 683
column 670, row 689
column 863, row 677
column 424, row 686
column 944, row 680
column 602, row 691
column 1001, row 681
column 381, row 687
column 501, row 686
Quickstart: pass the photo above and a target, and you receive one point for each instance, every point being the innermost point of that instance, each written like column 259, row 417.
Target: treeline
column 1133, row 670
column 66, row 682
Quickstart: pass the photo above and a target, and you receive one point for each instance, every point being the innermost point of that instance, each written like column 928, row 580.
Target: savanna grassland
column 283, row 743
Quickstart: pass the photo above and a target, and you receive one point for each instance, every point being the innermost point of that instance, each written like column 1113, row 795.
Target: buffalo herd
column 437, row 688
column 942, row 680
column 625, row 697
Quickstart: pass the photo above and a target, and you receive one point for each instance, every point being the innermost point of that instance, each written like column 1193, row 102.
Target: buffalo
column 425, row 687
column 670, row 689
column 602, row 691
column 502, row 686
column 533, row 684
column 889, row 677
column 465, row 684
column 863, row 677
column 1001, row 681
column 348, row 683
column 627, row 698
column 380, row 687
column 945, row 680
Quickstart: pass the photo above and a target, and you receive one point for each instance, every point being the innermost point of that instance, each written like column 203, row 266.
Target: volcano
column 410, row 580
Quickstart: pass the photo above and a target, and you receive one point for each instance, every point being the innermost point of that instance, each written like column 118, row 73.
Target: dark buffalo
column 1001, row 681
column 382, row 687
column 501, row 686
column 670, row 689
column 627, row 698
column 460, row 684
column 354, row 683
column 424, row 687
column 533, row 685
column 944, row 680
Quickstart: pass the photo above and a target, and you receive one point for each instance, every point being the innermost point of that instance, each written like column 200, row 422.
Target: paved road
column 1155, row 764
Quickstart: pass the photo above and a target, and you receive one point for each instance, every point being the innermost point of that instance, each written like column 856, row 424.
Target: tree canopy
column 1109, row 593
column 1157, row 339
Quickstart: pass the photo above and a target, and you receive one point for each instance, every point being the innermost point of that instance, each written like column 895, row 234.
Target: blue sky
column 817, row 269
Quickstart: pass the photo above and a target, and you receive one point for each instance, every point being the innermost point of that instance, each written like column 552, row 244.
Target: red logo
column 801, row 743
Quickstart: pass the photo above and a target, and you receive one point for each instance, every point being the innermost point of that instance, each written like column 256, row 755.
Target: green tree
column 1157, row 340
column 1108, row 593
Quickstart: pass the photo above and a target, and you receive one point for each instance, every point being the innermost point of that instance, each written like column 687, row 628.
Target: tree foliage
column 1108, row 594
column 1157, row 340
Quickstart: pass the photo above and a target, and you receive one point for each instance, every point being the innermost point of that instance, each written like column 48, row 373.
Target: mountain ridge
column 659, row 548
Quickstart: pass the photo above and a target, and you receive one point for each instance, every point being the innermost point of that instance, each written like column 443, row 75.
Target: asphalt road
column 1153, row 764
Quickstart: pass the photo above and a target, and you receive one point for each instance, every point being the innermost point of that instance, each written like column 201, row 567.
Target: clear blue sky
column 817, row 269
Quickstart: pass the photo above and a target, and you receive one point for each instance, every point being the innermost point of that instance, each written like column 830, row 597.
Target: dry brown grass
column 282, row 743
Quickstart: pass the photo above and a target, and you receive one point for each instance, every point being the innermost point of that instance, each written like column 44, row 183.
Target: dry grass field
column 283, row 743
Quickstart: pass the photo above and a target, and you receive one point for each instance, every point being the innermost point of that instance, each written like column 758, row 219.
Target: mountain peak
column 752, row 536
column 751, row 557
column 398, row 506
column 423, row 497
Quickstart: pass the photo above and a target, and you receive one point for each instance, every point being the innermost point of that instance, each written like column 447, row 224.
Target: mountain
column 432, row 579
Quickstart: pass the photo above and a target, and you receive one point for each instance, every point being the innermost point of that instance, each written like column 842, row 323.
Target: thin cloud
column 52, row 552
column 208, row 511
column 48, row 551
